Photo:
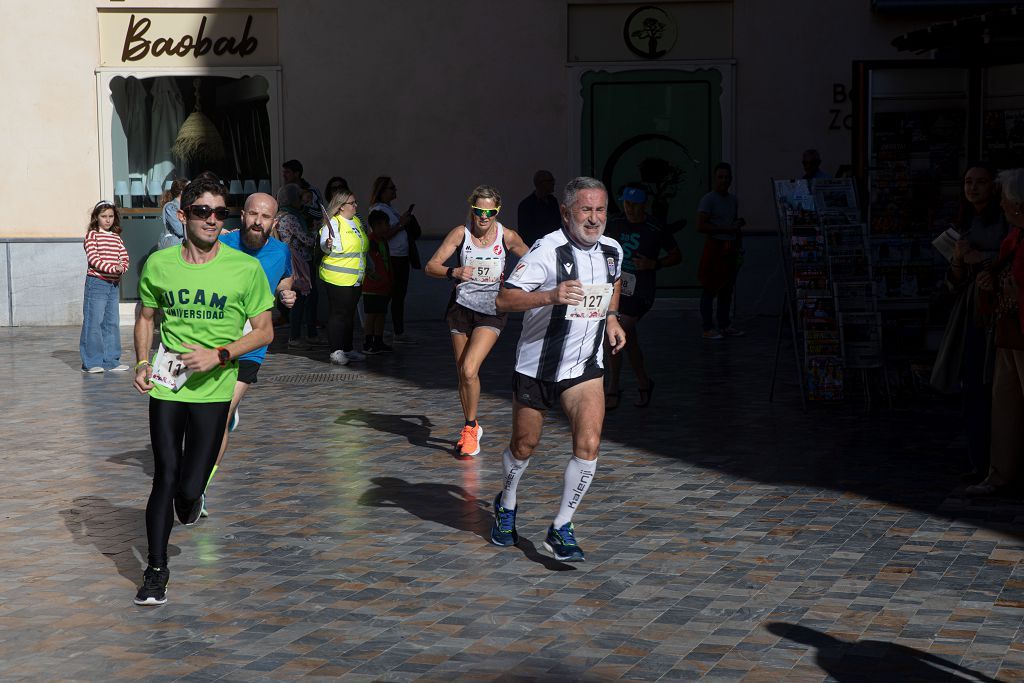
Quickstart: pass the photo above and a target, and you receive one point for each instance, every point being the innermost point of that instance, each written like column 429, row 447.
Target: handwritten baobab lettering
column 138, row 47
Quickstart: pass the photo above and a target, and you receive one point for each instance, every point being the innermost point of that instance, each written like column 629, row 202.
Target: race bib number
column 169, row 370
column 487, row 270
column 594, row 305
column 628, row 283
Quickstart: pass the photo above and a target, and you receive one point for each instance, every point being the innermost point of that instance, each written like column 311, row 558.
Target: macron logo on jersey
column 568, row 267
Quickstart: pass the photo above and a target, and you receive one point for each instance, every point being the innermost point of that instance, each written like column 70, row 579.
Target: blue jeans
column 100, row 343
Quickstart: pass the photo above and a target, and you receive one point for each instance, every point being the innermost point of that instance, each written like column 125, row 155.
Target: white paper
column 594, row 305
column 486, row 270
column 169, row 370
column 628, row 283
column 946, row 243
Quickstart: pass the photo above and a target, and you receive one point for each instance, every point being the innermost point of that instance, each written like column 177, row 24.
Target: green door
column 662, row 128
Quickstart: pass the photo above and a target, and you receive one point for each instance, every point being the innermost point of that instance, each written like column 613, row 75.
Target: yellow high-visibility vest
column 346, row 263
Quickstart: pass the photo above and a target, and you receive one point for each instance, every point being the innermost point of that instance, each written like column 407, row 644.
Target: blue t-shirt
column 276, row 261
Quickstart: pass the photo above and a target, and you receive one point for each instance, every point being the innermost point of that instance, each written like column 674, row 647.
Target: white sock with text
column 578, row 475
column 514, row 469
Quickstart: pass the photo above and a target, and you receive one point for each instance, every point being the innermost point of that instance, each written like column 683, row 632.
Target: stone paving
column 727, row 538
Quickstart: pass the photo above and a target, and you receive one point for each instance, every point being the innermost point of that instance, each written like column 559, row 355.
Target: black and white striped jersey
column 551, row 348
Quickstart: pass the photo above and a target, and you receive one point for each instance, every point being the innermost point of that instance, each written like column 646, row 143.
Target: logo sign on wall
column 649, row 32
column 213, row 38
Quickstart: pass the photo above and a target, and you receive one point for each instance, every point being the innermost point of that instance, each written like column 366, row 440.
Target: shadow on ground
column 863, row 661
column 451, row 506
column 119, row 533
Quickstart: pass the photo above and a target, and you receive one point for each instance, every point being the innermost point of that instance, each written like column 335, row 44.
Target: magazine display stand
column 830, row 296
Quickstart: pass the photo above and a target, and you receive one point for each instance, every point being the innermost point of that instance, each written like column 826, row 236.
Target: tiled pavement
column 727, row 537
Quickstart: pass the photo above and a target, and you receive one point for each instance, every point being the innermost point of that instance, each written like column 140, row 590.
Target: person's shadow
column 142, row 459
column 451, row 506
column 415, row 428
column 874, row 660
column 119, row 533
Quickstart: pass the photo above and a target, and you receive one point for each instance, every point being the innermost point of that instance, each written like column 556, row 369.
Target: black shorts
column 247, row 371
column 375, row 304
column 541, row 395
column 462, row 320
column 635, row 306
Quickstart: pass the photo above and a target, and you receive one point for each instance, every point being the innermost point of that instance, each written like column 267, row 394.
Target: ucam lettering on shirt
column 175, row 301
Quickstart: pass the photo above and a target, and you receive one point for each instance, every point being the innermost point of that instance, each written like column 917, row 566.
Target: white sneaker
column 95, row 370
column 404, row 339
column 120, row 368
column 354, row 355
column 339, row 358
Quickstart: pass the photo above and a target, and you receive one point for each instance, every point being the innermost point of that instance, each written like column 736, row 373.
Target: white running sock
column 514, row 469
column 578, row 475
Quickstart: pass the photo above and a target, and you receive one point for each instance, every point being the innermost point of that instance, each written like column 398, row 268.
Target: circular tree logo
column 649, row 32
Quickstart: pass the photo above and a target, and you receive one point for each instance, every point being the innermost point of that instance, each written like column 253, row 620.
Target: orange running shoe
column 469, row 440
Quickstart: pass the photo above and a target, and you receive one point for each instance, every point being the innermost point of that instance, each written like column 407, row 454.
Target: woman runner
column 481, row 244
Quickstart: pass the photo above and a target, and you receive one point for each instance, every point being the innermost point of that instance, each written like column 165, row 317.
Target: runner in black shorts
column 568, row 286
column 206, row 293
column 259, row 220
column 642, row 243
column 480, row 245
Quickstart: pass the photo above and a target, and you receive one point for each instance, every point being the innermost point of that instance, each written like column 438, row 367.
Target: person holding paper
column 344, row 244
column 206, row 292
column 480, row 245
column 964, row 361
column 568, row 286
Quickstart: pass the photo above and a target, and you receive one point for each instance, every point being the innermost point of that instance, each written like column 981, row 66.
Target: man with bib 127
column 568, row 287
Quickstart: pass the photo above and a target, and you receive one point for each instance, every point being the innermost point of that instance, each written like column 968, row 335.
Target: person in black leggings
column 206, row 293
column 344, row 243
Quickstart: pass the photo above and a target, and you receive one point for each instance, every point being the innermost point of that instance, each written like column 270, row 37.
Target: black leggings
column 186, row 439
column 342, row 302
column 400, row 270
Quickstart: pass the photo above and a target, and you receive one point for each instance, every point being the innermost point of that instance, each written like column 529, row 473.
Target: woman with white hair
column 998, row 294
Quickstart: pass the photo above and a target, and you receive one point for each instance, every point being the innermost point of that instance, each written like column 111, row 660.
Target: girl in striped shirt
column 100, row 343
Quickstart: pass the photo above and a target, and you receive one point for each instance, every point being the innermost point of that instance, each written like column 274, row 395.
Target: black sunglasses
column 202, row 212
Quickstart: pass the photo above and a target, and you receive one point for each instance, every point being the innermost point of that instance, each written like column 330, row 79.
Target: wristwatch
column 615, row 313
column 223, row 356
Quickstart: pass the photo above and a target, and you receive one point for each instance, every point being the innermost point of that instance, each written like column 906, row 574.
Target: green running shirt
column 206, row 305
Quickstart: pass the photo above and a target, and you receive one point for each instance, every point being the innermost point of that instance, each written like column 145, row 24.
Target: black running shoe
column 503, row 532
column 190, row 516
column 562, row 544
column 154, row 586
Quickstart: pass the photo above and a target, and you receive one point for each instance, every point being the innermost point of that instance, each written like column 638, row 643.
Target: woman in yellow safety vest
column 344, row 243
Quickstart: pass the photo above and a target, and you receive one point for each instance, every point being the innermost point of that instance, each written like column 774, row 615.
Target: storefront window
column 167, row 127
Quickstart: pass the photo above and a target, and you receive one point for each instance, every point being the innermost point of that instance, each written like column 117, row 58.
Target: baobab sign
column 211, row 38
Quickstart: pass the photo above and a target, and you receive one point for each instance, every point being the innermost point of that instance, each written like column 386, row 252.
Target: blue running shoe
column 503, row 532
column 234, row 421
column 562, row 544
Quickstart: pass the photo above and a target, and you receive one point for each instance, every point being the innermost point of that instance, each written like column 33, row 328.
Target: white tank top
column 488, row 265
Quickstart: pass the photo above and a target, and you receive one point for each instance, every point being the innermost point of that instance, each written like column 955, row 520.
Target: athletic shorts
column 374, row 304
column 635, row 307
column 462, row 320
column 541, row 395
column 247, row 371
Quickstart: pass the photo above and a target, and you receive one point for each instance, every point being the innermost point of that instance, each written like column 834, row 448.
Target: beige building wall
column 48, row 118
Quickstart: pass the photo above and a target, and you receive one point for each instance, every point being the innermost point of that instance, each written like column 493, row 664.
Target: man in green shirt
column 206, row 293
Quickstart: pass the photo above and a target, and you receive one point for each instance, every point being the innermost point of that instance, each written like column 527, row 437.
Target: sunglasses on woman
column 202, row 212
column 485, row 213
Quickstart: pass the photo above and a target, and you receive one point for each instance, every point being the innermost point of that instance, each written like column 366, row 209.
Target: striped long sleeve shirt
column 106, row 254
